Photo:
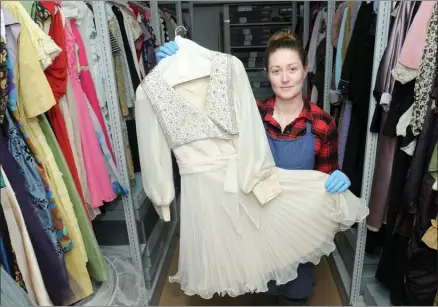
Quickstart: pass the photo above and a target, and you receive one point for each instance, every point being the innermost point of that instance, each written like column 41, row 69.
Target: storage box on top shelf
column 254, row 35
column 255, row 13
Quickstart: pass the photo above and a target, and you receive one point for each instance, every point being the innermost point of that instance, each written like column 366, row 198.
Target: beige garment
column 20, row 241
column 430, row 238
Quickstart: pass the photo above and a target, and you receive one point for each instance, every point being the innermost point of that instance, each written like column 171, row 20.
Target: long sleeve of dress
column 155, row 156
column 255, row 164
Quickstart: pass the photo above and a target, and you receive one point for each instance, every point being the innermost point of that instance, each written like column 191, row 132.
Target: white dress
column 244, row 222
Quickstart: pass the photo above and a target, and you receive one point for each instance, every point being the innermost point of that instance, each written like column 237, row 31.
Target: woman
column 300, row 134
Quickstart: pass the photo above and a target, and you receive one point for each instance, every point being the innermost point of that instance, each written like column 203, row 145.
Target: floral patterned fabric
column 60, row 228
column 3, row 79
column 34, row 184
column 426, row 75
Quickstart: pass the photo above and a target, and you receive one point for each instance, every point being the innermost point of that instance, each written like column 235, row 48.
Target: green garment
column 97, row 266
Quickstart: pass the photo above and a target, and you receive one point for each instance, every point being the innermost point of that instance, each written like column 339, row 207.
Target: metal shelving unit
column 248, row 30
column 117, row 140
column 151, row 253
column 353, row 269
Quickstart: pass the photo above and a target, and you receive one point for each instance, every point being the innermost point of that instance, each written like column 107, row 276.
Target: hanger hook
column 179, row 29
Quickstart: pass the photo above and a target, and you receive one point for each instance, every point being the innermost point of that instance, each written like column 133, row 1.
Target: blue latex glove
column 338, row 182
column 168, row 49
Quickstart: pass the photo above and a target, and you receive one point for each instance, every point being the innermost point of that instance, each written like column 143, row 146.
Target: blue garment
column 297, row 154
column 33, row 181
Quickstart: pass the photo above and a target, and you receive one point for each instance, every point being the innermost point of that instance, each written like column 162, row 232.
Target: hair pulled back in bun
column 284, row 40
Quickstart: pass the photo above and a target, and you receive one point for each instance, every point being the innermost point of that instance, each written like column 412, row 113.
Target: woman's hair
column 284, row 40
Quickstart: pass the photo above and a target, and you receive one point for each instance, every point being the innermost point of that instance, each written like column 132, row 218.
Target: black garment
column 131, row 64
column 392, row 264
column 421, row 278
column 356, row 84
column 385, row 81
column 4, row 233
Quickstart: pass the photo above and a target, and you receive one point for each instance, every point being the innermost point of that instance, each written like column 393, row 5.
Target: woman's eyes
column 291, row 69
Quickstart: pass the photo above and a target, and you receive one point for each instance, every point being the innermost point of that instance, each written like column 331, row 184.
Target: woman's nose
column 284, row 77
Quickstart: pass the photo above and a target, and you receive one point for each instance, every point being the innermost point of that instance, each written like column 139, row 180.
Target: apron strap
column 308, row 127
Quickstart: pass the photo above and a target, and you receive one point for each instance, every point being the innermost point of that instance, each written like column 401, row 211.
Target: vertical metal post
column 381, row 40
column 156, row 24
column 117, row 136
column 306, row 35
column 328, row 55
column 179, row 15
column 192, row 20
column 294, row 16
column 306, row 32
column 226, row 23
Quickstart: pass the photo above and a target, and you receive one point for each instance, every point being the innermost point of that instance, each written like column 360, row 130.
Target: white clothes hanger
column 191, row 62
column 180, row 31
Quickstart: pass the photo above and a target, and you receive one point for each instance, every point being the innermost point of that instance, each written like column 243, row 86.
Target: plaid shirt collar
column 306, row 112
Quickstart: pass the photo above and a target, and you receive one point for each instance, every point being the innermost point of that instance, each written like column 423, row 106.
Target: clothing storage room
column 123, row 122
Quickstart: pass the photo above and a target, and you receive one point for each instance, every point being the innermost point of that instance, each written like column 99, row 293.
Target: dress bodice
column 183, row 123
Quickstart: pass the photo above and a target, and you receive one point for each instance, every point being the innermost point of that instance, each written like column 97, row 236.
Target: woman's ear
column 266, row 74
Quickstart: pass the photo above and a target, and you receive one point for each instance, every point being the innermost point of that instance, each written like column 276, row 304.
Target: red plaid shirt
column 323, row 129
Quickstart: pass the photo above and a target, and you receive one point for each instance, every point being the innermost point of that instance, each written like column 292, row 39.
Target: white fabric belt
column 230, row 204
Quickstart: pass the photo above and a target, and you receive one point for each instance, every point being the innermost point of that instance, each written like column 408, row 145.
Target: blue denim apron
column 298, row 154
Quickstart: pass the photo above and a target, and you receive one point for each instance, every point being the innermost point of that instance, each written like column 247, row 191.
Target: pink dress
column 88, row 85
column 98, row 179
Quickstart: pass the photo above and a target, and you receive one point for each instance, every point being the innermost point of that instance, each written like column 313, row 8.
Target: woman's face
column 286, row 73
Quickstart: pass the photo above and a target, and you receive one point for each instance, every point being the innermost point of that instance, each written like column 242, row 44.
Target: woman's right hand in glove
column 168, row 49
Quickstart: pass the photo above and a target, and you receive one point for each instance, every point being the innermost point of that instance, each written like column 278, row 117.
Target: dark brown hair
column 284, row 40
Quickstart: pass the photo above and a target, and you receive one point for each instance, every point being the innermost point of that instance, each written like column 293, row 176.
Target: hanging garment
column 426, row 74
column 238, row 211
column 34, row 183
column 11, row 294
column 355, row 84
column 298, row 154
column 3, row 79
column 6, row 251
column 61, row 230
column 70, row 113
column 87, row 28
column 95, row 262
column 87, row 83
column 430, row 238
column 97, row 175
column 57, row 77
column 420, row 207
column 413, row 46
column 21, row 242
column 131, row 60
column 53, row 268
column 124, row 83
column 29, row 106
column 96, row 115
column 386, row 146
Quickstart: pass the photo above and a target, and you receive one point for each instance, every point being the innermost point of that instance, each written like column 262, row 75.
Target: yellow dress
column 35, row 97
